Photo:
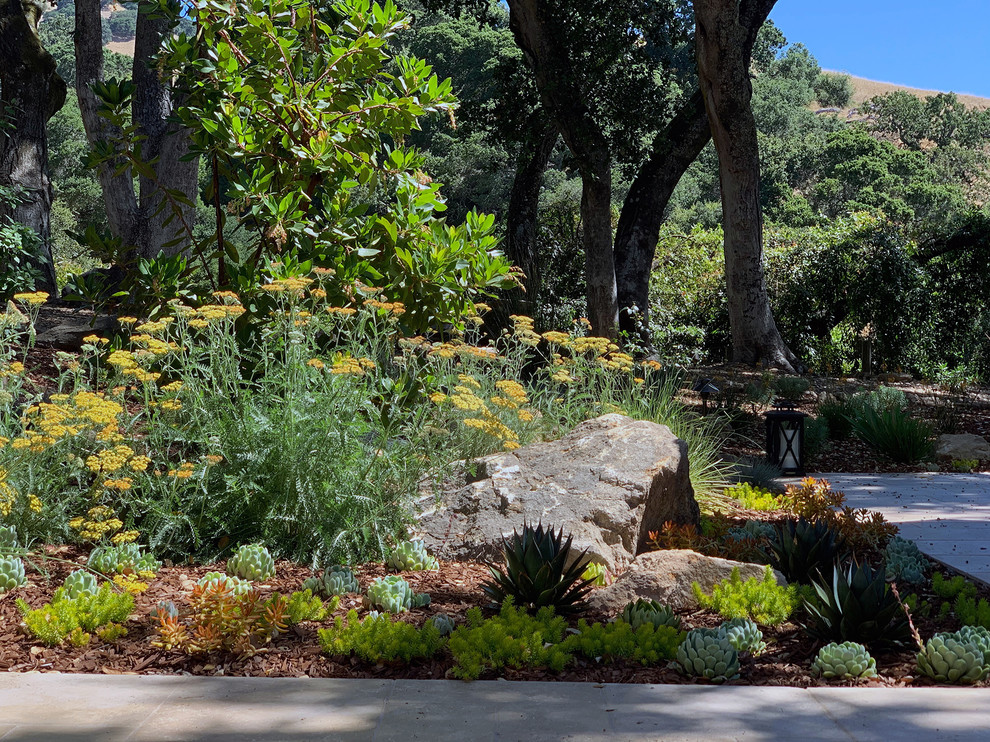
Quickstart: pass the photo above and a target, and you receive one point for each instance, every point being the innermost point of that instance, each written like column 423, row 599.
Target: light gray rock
column 608, row 482
column 666, row 576
column 963, row 446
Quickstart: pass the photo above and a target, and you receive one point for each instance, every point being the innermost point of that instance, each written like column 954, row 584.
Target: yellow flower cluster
column 287, row 285
column 185, row 470
column 557, row 338
column 111, row 460
column 438, row 397
column 491, row 425
column 130, row 583
column 99, row 522
column 394, row 308
column 8, row 495
column 202, row 317
column 316, row 363
column 596, row 345
column 470, row 381
column 34, row 299
column 615, row 361
column 349, row 365
column 342, row 311
column 69, row 415
column 15, row 368
column 95, row 340
column 465, row 399
column 522, row 330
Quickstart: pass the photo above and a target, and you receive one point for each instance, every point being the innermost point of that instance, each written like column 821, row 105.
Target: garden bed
column 454, row 589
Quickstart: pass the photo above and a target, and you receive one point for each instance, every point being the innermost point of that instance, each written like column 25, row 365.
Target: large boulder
column 666, row 576
column 608, row 483
column 963, row 446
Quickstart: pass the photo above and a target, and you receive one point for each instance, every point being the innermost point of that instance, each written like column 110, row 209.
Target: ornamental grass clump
column 762, row 601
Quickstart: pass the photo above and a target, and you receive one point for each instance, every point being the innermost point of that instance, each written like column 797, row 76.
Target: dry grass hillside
column 864, row 89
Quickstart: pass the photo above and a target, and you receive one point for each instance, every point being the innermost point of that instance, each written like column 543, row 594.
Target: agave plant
column 857, row 606
column 540, row 570
column 804, row 549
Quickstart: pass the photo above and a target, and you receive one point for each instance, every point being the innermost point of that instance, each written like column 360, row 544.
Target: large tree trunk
column 32, row 92
column 675, row 148
column 151, row 220
column 522, row 217
column 547, row 54
column 723, row 70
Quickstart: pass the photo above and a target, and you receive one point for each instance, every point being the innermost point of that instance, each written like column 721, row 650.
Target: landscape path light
column 785, row 437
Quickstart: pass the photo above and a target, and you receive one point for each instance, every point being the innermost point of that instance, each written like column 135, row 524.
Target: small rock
column 666, row 576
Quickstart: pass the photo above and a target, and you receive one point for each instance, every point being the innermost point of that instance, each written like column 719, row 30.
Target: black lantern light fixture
column 705, row 389
column 785, row 438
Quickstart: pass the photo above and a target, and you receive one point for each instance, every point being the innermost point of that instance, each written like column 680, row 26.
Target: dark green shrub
column 895, row 434
column 816, row 431
column 833, row 90
column 838, row 413
column 856, row 605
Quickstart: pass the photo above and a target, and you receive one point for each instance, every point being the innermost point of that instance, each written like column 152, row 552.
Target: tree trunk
column 547, row 55
column 723, row 71
column 522, row 217
column 32, row 92
column 160, row 215
column 675, row 148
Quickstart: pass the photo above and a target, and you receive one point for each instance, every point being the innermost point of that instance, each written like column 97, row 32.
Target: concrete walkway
column 947, row 515
column 72, row 708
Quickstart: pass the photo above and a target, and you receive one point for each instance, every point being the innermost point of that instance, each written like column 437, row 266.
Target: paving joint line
column 828, row 714
column 151, row 713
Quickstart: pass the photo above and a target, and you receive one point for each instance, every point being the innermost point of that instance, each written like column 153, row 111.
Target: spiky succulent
column 394, row 595
column 905, row 562
column 79, row 583
column 443, row 623
column 978, row 635
column 8, row 541
column 857, row 606
column 844, row 661
column 251, row 562
column 412, row 556
column 212, row 579
column 951, row 658
column 540, row 570
column 744, row 635
column 336, row 580
column 639, row 612
column 708, row 654
column 802, row 549
column 11, row 574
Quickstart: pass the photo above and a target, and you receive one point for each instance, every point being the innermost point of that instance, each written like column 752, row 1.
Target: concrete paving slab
column 549, row 712
column 439, row 711
column 291, row 709
column 683, row 713
column 947, row 515
column 936, row 714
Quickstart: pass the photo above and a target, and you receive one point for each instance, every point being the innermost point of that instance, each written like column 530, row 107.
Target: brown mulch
column 454, row 589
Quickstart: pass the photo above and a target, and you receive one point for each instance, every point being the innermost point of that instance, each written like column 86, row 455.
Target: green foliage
column 905, row 562
column 895, row 434
column 443, row 623
column 641, row 611
column 953, row 658
column 597, row 573
column 110, row 633
column 11, row 573
column 838, row 413
column 302, row 605
column 55, row 621
column 513, row 638
column 803, row 549
column 393, row 594
column 763, row 601
column 647, row 643
column 844, row 661
column 833, row 90
column 80, row 583
column 251, row 562
column 971, row 612
column 754, row 497
column 380, row 639
column 310, row 138
column 540, row 571
column 19, row 253
column 9, row 545
column 951, row 588
column 856, row 605
column 965, row 465
column 791, row 388
column 412, row 556
column 705, row 653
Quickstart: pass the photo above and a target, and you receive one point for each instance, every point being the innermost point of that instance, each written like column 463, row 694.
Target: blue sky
column 941, row 45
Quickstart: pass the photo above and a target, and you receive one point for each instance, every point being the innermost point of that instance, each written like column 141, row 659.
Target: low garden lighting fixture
column 785, row 438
